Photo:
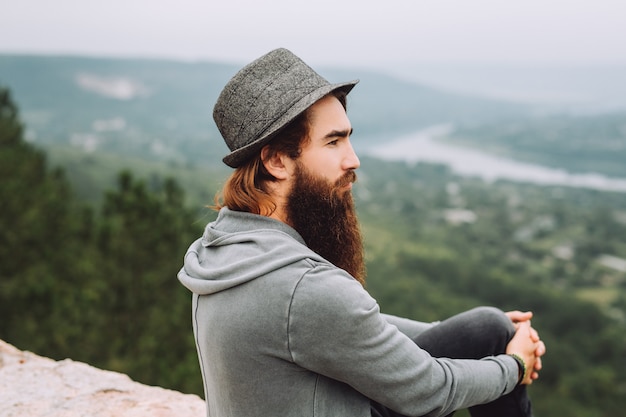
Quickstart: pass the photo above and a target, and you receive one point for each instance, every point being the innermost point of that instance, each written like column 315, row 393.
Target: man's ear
column 275, row 164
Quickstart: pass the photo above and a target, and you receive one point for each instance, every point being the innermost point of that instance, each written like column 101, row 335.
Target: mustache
column 348, row 178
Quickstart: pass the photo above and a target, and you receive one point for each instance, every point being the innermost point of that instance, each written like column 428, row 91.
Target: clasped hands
column 526, row 344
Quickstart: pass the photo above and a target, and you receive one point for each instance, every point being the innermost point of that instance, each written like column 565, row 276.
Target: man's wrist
column 521, row 366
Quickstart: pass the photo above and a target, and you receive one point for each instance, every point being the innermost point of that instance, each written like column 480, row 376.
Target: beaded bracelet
column 521, row 366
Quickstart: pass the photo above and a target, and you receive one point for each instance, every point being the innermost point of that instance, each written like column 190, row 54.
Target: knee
column 494, row 319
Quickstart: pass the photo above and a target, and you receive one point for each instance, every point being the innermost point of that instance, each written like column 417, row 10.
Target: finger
column 534, row 335
column 517, row 316
column 538, row 364
column 541, row 349
column 524, row 326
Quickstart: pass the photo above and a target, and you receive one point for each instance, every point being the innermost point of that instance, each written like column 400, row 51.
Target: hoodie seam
column 231, row 235
column 291, row 302
column 200, row 356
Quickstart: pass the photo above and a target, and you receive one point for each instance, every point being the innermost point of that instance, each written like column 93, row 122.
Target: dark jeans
column 474, row 334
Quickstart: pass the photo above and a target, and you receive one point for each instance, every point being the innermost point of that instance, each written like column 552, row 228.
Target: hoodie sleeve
column 410, row 328
column 336, row 329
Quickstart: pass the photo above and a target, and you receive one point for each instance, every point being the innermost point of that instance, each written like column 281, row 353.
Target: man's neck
column 279, row 215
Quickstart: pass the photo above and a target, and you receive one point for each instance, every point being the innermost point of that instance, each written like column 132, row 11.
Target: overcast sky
column 382, row 33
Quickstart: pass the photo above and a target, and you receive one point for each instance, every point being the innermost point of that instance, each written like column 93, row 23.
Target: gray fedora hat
column 263, row 97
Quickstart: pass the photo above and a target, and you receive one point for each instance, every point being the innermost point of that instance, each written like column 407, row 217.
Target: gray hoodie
column 280, row 331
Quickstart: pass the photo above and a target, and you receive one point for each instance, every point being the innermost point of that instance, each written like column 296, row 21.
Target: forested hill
column 162, row 109
column 133, row 138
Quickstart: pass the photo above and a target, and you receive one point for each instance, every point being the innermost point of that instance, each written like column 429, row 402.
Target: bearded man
column 283, row 323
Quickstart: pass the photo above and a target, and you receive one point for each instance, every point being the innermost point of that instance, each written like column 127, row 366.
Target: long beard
column 324, row 215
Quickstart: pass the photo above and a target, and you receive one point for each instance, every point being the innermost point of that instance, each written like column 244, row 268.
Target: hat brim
column 241, row 155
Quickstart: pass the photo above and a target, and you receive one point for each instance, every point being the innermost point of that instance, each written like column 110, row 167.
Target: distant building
column 612, row 262
column 564, row 252
column 459, row 216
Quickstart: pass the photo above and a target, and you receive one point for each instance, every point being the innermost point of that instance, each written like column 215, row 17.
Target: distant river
column 422, row 147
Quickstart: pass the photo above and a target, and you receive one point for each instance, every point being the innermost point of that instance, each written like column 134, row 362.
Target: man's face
column 329, row 154
column 320, row 206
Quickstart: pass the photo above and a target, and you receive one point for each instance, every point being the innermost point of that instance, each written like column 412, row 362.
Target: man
column 283, row 324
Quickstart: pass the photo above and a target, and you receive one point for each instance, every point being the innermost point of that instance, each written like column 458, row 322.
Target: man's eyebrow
column 339, row 133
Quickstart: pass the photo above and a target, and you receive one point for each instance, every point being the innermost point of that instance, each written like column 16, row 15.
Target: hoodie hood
column 238, row 247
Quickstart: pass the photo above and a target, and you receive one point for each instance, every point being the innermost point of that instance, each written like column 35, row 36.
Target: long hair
column 246, row 190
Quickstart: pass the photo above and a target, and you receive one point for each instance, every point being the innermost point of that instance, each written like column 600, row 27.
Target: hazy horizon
column 512, row 50
column 564, row 86
column 326, row 32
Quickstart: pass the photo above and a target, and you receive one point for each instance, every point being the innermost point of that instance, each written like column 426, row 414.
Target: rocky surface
column 32, row 385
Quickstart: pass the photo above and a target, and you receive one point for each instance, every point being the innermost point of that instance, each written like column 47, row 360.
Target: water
column 423, row 147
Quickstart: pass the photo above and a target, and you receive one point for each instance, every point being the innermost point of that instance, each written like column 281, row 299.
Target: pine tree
column 99, row 289
column 37, row 225
column 142, row 237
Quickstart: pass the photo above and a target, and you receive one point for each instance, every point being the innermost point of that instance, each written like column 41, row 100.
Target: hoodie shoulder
column 239, row 247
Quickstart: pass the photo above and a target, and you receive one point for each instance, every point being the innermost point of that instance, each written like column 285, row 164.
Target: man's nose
column 351, row 161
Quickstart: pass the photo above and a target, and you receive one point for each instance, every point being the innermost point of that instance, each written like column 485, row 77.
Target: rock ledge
column 31, row 385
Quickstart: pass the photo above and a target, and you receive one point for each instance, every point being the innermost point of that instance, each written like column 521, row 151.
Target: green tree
column 37, row 225
column 142, row 237
column 96, row 288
